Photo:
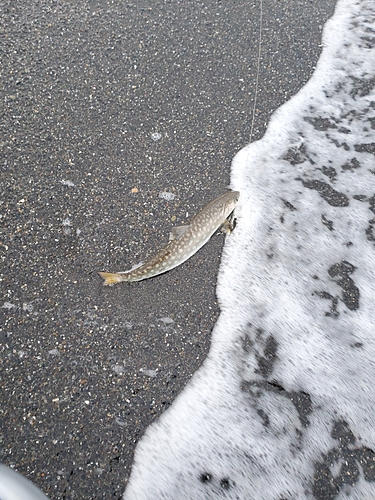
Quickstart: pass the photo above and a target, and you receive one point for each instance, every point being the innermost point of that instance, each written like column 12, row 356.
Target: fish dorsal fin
column 177, row 232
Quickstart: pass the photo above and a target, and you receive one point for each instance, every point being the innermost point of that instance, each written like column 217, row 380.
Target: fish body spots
column 202, row 227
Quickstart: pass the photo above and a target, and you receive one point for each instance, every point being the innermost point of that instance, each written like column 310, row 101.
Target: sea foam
column 284, row 405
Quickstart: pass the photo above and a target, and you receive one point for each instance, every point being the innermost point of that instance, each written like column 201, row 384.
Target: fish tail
column 111, row 278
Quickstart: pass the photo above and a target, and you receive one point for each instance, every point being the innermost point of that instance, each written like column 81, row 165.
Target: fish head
column 228, row 202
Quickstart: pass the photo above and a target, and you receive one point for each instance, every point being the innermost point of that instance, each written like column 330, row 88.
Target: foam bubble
column 167, row 195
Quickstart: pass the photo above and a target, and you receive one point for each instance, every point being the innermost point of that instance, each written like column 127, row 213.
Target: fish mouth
column 237, row 194
column 232, row 202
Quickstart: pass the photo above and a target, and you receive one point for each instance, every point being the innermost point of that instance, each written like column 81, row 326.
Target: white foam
column 67, row 183
column 9, row 305
column 166, row 195
column 283, row 407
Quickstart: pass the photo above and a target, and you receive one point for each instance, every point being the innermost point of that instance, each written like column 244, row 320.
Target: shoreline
column 87, row 369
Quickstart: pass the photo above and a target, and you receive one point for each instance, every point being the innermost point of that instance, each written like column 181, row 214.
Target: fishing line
column 258, row 67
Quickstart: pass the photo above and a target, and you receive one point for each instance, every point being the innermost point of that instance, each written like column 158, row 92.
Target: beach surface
column 120, row 120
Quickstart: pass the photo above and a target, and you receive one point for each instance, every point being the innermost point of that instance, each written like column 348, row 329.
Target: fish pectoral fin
column 228, row 225
column 177, row 232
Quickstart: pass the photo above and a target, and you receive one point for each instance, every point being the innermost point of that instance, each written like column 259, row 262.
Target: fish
column 184, row 241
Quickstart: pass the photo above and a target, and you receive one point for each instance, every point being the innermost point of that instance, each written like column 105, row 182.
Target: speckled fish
column 184, row 242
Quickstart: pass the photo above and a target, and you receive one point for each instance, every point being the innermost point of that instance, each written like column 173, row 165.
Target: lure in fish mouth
column 184, row 241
